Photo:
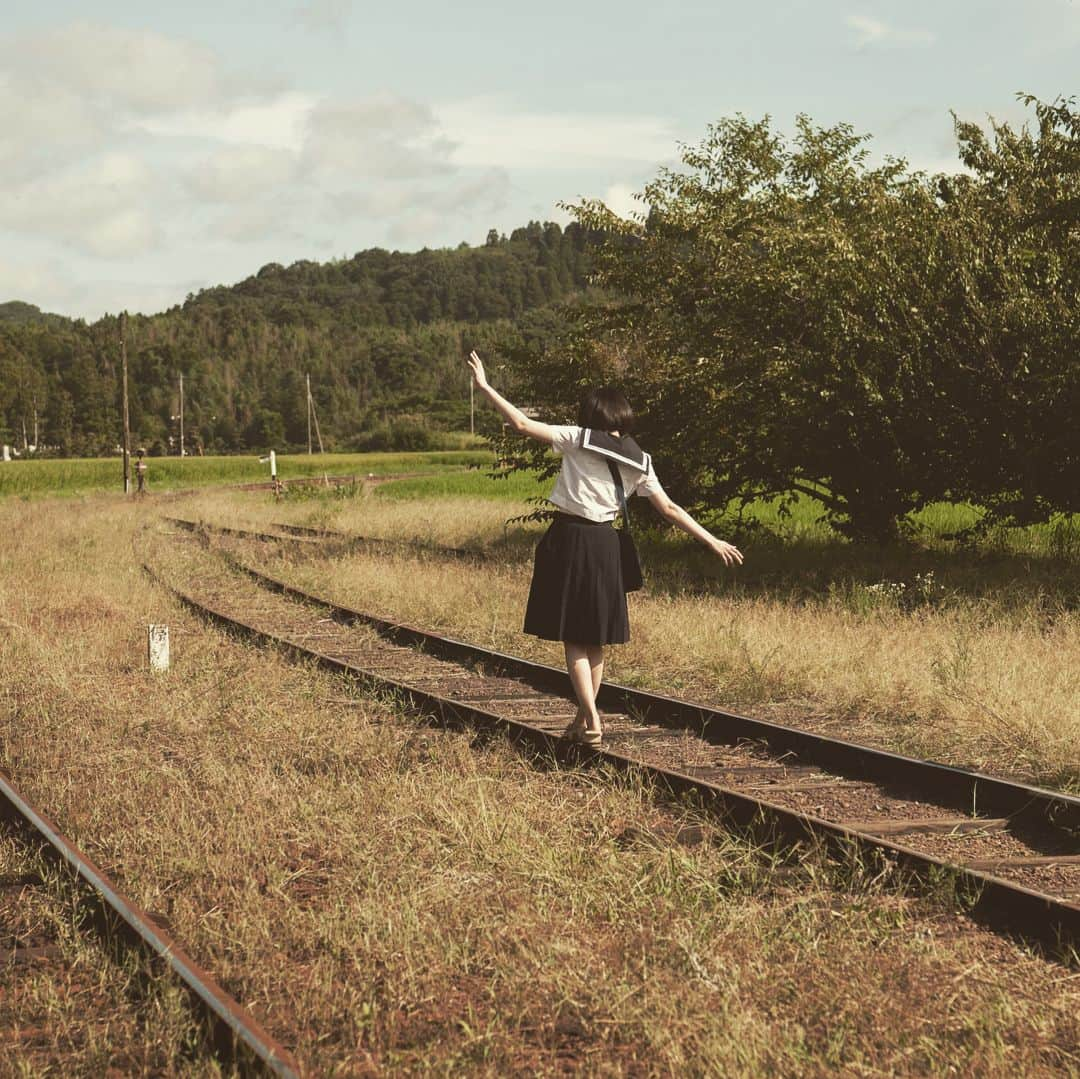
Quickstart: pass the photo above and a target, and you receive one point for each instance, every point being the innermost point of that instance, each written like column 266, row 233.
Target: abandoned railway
column 1012, row 850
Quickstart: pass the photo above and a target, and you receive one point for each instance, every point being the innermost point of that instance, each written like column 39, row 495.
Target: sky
column 151, row 150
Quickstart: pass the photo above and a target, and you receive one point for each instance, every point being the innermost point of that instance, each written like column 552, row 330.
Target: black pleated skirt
column 577, row 589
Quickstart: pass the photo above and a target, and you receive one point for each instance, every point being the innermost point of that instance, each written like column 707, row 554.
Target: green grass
column 799, row 532
column 515, row 488
column 69, row 476
column 799, row 538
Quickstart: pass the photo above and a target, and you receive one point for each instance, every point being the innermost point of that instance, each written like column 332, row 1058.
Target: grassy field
column 933, row 529
column 965, row 655
column 393, row 898
column 466, row 473
column 63, row 476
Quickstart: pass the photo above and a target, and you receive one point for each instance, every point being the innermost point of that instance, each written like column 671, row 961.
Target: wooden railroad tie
column 987, row 864
column 929, row 825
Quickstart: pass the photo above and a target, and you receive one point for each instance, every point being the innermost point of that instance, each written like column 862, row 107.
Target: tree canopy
column 789, row 318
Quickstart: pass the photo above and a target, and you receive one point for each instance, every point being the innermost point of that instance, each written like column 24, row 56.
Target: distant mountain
column 382, row 335
column 17, row 311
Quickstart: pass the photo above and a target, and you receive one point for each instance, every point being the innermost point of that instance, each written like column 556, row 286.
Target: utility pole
column 312, row 415
column 181, row 415
column 127, row 421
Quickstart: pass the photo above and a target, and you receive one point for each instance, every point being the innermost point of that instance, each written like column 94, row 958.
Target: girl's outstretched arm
column 679, row 517
column 517, row 419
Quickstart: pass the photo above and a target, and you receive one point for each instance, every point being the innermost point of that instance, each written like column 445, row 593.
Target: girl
column 577, row 594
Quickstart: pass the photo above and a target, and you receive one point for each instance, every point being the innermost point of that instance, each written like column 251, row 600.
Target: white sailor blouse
column 584, row 486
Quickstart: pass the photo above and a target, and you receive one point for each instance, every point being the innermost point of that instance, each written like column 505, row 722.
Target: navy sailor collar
column 622, row 449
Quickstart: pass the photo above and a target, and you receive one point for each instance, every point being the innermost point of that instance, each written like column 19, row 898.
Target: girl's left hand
column 479, row 378
column 731, row 554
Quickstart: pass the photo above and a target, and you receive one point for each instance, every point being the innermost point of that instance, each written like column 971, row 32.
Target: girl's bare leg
column 596, row 668
column 585, row 665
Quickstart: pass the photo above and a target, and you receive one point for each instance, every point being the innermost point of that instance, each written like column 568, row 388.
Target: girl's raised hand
column 477, row 370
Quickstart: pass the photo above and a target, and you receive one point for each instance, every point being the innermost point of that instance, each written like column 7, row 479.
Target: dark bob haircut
column 604, row 408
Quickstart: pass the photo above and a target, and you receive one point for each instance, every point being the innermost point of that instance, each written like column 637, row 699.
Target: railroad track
column 237, row 1039
column 315, row 538
column 353, row 539
column 1013, row 849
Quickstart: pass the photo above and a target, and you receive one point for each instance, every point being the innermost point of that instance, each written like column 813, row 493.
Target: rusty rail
column 960, row 787
column 237, row 1037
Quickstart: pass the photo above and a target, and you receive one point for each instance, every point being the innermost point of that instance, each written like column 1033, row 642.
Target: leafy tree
column 266, row 430
column 1016, row 227
column 791, row 320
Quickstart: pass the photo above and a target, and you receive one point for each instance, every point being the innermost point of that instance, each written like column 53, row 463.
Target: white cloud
column 255, row 221
column 466, row 202
column 120, row 234
column 42, row 127
column 239, row 173
column 72, row 91
column 35, row 282
column 385, row 137
column 51, row 285
column 278, row 121
column 490, row 132
column 134, row 148
column 490, row 192
column 405, row 205
column 414, row 227
column 874, row 32
column 98, row 206
column 137, row 70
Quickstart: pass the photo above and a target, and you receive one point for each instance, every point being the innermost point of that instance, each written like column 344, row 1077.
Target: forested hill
column 17, row 311
column 381, row 334
column 502, row 279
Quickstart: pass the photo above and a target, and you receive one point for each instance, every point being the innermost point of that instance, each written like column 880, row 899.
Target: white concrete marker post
column 278, row 487
column 157, row 643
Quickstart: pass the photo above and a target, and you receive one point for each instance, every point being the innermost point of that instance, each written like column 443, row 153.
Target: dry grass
column 390, row 898
column 77, row 1012
column 993, row 685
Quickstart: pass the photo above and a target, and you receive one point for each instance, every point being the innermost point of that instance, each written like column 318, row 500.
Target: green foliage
column 381, row 334
column 790, row 320
column 475, row 483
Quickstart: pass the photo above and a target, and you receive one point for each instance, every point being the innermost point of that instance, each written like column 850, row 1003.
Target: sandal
column 580, row 735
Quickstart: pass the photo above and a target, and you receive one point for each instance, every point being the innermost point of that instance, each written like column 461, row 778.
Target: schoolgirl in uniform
column 578, row 594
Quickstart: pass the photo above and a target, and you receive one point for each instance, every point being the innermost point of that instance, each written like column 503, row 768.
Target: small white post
column 273, row 465
column 157, row 646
